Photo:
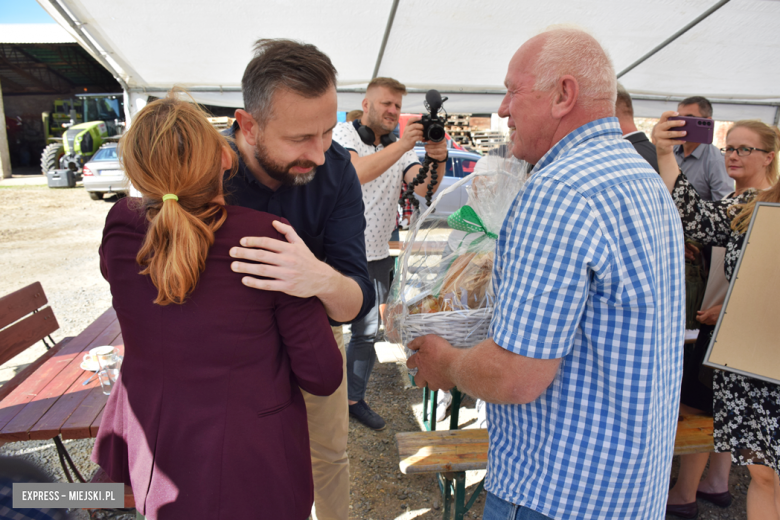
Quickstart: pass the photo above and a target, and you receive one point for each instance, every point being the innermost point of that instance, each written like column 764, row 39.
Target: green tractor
column 73, row 142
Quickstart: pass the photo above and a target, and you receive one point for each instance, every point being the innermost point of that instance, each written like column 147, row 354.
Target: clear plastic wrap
column 443, row 282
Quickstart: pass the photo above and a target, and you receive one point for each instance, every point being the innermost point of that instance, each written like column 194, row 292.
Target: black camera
column 432, row 123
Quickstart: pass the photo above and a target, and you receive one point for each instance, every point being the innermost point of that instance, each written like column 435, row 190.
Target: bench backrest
column 17, row 334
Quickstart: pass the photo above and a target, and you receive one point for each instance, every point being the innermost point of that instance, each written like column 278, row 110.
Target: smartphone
column 700, row 130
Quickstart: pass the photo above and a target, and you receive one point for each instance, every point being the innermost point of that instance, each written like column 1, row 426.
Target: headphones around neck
column 367, row 135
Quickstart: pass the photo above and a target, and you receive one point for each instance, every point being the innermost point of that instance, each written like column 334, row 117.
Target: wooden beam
column 36, row 63
column 39, row 82
column 12, row 87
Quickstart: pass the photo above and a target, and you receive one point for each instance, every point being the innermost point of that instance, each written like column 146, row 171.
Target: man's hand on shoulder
column 289, row 267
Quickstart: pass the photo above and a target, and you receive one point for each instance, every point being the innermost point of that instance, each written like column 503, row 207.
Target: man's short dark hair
column 623, row 104
column 284, row 64
column 391, row 84
column 705, row 107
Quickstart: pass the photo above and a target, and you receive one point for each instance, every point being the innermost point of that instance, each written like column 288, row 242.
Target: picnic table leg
column 65, row 457
column 429, row 409
column 460, row 495
column 475, row 494
column 457, row 396
column 444, row 482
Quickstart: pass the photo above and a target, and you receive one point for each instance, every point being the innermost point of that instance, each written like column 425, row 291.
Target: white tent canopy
column 460, row 47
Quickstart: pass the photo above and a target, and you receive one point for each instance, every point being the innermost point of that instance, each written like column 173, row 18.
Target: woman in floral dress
column 746, row 410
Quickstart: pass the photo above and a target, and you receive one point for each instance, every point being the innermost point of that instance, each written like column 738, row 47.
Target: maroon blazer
column 207, row 420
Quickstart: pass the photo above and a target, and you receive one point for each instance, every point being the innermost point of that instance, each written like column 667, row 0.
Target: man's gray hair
column 284, row 64
column 572, row 51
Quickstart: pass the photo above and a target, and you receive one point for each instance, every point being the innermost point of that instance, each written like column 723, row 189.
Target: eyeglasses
column 742, row 151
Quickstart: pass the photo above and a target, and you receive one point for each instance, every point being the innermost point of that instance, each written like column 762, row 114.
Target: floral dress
column 746, row 410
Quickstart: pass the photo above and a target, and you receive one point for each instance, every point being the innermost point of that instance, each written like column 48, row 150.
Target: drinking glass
column 109, row 364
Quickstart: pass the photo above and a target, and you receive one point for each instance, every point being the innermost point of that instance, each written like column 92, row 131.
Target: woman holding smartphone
column 206, row 419
column 745, row 409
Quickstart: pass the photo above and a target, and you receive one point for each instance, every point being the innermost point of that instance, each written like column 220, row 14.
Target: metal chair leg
column 65, row 457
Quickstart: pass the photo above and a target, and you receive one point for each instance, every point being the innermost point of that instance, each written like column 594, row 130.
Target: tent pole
column 5, row 155
column 76, row 26
column 389, row 27
column 673, row 37
column 777, row 115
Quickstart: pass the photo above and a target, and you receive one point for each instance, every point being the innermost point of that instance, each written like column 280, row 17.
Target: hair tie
column 170, row 196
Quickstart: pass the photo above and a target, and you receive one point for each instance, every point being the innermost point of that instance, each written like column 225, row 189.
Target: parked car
column 459, row 164
column 103, row 173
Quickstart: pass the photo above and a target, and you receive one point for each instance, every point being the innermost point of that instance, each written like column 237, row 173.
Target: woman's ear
column 768, row 159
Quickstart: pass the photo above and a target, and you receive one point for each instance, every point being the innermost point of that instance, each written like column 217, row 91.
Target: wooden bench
column 450, row 453
column 26, row 319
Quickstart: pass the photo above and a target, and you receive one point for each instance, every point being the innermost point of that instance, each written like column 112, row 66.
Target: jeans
column 499, row 509
column 360, row 352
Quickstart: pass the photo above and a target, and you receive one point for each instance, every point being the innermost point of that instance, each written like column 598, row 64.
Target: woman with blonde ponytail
column 745, row 410
column 207, row 419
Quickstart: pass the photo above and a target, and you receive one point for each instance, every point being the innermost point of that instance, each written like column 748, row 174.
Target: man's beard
column 375, row 121
column 281, row 173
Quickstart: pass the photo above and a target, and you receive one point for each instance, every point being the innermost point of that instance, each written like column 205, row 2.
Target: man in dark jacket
column 624, row 111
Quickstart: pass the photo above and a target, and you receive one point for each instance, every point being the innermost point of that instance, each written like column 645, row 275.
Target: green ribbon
column 466, row 219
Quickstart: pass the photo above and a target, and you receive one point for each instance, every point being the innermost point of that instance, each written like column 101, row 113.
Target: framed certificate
column 746, row 339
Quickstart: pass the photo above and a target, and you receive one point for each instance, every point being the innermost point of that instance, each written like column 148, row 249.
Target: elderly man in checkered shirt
column 582, row 370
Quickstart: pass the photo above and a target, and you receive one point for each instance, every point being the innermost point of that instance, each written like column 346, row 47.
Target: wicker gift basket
column 443, row 282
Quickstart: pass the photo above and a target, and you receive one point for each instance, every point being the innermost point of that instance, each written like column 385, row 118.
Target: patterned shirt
column 589, row 269
column 380, row 196
column 706, row 171
column 709, row 222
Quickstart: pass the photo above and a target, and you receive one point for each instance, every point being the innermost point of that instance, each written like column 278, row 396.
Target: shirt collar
column 697, row 152
column 604, row 128
column 632, row 133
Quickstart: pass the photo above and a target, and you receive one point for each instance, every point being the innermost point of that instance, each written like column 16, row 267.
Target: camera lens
column 435, row 133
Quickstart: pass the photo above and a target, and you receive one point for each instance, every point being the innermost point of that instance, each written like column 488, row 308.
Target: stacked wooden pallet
column 459, row 128
column 220, row 123
column 485, row 141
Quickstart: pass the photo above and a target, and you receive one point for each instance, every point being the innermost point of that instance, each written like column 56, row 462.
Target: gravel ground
column 52, row 236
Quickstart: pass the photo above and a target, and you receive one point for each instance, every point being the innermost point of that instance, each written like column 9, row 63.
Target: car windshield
column 105, row 154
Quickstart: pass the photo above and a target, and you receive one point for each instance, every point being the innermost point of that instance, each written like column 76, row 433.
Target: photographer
column 382, row 163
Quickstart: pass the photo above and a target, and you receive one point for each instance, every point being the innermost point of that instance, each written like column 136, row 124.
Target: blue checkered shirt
column 589, row 269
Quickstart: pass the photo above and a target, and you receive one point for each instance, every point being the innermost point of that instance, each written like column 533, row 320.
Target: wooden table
column 52, row 402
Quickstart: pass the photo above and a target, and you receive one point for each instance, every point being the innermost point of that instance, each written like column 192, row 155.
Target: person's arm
column 315, row 358
column 709, row 316
column 290, row 267
column 486, row 371
column 707, row 222
column 438, row 152
column 372, row 166
column 342, row 284
column 665, row 138
column 521, row 358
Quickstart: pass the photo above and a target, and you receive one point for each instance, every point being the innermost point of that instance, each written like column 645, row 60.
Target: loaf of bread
column 467, row 282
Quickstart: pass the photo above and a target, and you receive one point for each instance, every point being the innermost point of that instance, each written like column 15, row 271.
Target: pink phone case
column 699, row 130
